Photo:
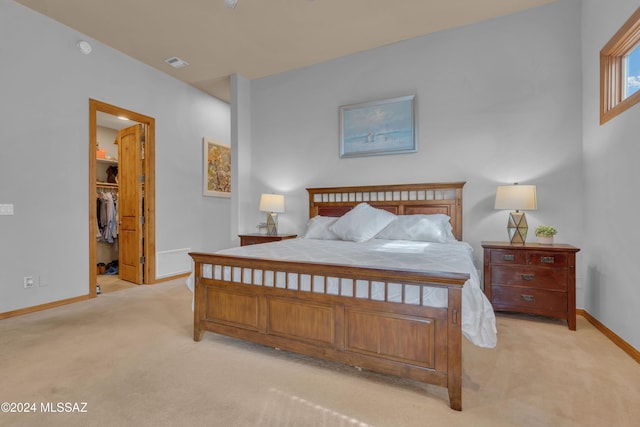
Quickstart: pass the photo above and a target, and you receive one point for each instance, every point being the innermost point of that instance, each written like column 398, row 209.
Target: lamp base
column 517, row 227
column 272, row 224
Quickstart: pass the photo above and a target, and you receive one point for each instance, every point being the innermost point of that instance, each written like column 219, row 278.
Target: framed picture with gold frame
column 216, row 168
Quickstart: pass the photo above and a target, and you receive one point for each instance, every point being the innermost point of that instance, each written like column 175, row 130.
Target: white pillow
column 424, row 228
column 318, row 227
column 362, row 223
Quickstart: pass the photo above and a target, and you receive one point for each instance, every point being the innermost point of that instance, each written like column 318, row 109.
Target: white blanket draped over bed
column 478, row 319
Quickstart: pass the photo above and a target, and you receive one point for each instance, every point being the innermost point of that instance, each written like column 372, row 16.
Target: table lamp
column 272, row 204
column 516, row 197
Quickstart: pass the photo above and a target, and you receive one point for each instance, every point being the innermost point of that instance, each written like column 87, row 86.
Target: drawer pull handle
column 547, row 260
column 527, row 277
column 507, row 257
column 527, row 298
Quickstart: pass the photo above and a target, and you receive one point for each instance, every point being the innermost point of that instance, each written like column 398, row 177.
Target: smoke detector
column 176, row 62
column 84, row 46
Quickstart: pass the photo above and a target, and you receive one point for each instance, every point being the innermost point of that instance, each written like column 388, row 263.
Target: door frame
column 149, row 226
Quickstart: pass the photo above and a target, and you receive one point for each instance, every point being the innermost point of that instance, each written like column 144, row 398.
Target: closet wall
column 106, row 140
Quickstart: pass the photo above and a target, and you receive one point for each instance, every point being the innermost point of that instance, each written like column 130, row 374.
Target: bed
column 402, row 319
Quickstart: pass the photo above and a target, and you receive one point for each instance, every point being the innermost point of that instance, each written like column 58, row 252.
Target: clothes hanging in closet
column 107, row 216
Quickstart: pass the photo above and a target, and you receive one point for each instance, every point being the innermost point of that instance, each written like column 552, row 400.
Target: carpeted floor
column 109, row 283
column 130, row 356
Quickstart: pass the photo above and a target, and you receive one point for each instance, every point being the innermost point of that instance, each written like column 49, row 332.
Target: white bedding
column 478, row 319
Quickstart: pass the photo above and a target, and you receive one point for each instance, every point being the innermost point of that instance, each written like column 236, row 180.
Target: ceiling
column 112, row 122
column 260, row 37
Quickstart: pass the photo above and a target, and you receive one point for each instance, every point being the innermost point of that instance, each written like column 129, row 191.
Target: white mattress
column 478, row 319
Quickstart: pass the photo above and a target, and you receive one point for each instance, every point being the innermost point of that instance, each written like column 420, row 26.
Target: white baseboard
column 173, row 262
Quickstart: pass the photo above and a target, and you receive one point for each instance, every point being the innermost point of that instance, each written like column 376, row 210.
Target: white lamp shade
column 272, row 203
column 518, row 197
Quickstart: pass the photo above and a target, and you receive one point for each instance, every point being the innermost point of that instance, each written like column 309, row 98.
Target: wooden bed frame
column 409, row 341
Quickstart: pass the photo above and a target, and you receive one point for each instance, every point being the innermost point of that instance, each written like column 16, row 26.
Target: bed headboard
column 401, row 199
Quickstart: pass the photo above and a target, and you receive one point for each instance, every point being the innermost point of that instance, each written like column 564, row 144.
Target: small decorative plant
column 262, row 227
column 546, row 231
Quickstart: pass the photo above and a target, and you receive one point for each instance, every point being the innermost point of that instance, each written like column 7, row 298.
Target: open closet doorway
column 126, row 148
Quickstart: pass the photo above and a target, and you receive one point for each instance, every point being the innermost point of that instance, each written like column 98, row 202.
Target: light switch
column 6, row 209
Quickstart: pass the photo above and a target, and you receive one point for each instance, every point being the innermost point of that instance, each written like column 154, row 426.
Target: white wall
column 611, row 176
column 45, row 86
column 498, row 102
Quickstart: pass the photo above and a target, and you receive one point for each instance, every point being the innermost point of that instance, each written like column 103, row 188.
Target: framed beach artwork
column 217, row 168
column 378, row 127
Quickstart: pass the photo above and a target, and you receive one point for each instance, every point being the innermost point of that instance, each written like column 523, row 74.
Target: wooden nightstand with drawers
column 254, row 239
column 532, row 278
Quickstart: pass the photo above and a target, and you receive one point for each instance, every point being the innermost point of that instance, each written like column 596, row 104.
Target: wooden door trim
column 149, row 229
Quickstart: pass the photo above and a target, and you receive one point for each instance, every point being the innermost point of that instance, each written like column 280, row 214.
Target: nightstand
column 254, row 239
column 532, row 278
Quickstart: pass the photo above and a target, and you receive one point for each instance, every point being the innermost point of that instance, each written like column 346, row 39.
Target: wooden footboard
column 334, row 312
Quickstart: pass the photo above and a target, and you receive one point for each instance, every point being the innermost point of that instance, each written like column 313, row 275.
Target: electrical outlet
column 28, row 282
column 41, row 283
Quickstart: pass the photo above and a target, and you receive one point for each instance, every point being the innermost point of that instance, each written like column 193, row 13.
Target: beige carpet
column 112, row 283
column 130, row 356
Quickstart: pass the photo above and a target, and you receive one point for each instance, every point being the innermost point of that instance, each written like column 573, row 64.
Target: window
column 620, row 70
column 632, row 72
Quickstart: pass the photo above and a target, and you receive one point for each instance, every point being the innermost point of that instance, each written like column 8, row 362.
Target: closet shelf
column 106, row 185
column 108, row 161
